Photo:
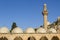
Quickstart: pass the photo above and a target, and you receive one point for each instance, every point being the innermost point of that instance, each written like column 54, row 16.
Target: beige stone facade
column 26, row 36
column 49, row 32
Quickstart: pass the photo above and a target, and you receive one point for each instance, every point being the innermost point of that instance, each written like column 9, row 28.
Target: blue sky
column 27, row 13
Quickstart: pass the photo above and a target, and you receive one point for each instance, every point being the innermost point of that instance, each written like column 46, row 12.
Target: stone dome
column 4, row 30
column 52, row 30
column 41, row 30
column 29, row 30
column 17, row 30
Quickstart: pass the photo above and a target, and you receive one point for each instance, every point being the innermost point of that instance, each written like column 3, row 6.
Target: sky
column 27, row 13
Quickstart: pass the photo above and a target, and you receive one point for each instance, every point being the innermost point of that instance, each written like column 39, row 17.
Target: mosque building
column 49, row 31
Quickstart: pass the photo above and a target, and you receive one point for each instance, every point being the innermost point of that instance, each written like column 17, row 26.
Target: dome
column 52, row 30
column 17, row 30
column 30, row 30
column 41, row 30
column 4, row 30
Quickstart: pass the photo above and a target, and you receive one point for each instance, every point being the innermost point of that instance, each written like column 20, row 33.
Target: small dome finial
column 45, row 8
column 44, row 4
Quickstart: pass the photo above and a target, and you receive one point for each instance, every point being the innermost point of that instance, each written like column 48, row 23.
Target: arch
column 31, row 38
column 18, row 38
column 44, row 38
column 55, row 38
column 3, row 38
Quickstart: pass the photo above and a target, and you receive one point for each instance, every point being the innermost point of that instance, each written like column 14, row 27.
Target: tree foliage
column 13, row 26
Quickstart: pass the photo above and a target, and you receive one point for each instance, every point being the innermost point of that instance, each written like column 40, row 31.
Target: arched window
column 18, row 38
column 55, row 38
column 31, row 38
column 3, row 38
column 44, row 38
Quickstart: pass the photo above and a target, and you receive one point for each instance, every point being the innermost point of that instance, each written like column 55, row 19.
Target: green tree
column 13, row 26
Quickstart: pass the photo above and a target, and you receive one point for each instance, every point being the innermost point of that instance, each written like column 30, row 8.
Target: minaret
column 45, row 14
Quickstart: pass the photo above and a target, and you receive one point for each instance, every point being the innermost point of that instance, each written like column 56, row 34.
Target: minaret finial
column 45, row 8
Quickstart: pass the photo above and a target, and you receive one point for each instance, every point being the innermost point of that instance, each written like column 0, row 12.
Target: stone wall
column 26, row 36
